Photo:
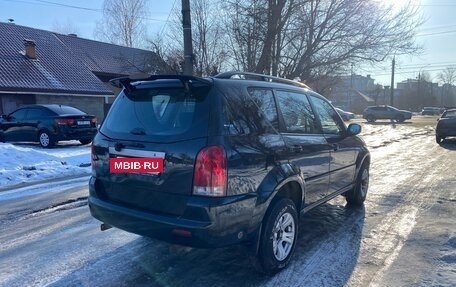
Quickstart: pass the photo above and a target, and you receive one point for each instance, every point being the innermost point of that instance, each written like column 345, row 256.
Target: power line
column 50, row 3
column 429, row 64
column 167, row 19
column 410, row 72
column 436, row 27
column 410, row 68
column 437, row 33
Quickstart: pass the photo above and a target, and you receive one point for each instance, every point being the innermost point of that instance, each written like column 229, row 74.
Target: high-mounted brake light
column 209, row 177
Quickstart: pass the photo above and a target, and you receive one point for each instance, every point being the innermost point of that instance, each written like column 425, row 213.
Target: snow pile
column 28, row 163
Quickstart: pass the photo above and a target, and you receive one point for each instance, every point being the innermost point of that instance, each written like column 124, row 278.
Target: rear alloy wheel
column 400, row 119
column 278, row 238
column 84, row 142
column 358, row 194
column 45, row 139
column 439, row 139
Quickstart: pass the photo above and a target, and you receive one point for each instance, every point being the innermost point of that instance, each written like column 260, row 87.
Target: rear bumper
column 76, row 134
column 230, row 221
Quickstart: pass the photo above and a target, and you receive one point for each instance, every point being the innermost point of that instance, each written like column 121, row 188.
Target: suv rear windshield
column 158, row 114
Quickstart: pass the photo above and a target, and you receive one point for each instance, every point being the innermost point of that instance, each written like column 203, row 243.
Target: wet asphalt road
column 404, row 235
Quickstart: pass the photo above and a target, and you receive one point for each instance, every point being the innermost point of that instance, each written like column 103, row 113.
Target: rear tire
column 370, row 119
column 358, row 194
column 278, row 237
column 45, row 139
column 400, row 119
column 439, row 139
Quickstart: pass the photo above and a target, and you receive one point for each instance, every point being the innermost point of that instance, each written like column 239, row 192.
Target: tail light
column 209, row 178
column 95, row 160
column 65, row 121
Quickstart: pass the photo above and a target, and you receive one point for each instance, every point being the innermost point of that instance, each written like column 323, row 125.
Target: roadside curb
column 32, row 183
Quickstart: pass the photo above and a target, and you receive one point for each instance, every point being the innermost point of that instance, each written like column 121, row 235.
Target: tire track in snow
column 383, row 244
column 380, row 248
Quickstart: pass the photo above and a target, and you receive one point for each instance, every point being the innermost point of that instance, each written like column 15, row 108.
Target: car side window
column 297, row 113
column 36, row 114
column 255, row 113
column 329, row 119
column 264, row 100
column 19, row 115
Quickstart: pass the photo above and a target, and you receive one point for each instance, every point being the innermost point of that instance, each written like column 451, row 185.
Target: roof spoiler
column 125, row 82
column 259, row 77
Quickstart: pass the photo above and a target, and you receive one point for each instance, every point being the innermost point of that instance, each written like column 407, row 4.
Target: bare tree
column 67, row 27
column 425, row 76
column 448, row 76
column 311, row 39
column 172, row 56
column 245, row 26
column 122, row 22
column 208, row 39
column 208, row 46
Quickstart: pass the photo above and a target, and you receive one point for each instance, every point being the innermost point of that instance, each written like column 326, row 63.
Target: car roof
column 58, row 109
column 234, row 77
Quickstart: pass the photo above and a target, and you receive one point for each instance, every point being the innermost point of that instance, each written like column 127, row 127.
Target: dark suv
column 371, row 114
column 243, row 154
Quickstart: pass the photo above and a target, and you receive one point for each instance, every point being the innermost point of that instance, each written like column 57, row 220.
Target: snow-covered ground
column 27, row 163
column 404, row 236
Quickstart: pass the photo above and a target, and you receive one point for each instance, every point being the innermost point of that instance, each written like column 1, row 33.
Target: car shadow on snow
column 449, row 144
column 327, row 249
column 60, row 144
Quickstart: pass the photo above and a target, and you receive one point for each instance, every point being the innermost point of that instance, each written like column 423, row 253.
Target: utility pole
column 188, row 48
column 420, row 101
column 351, row 88
column 392, row 82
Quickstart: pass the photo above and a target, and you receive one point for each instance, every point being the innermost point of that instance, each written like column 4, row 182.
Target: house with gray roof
column 42, row 67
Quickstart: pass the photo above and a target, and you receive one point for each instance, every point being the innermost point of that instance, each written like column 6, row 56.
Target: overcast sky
column 437, row 35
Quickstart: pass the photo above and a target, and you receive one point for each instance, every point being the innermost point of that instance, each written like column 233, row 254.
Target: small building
column 42, row 67
column 354, row 93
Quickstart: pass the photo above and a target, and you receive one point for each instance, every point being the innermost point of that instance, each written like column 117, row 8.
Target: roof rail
column 259, row 77
column 125, row 82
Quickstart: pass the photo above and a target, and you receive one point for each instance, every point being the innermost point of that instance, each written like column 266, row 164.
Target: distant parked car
column 47, row 124
column 373, row 113
column 446, row 126
column 431, row 111
column 346, row 116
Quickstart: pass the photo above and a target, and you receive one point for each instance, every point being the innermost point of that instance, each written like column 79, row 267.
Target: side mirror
column 353, row 129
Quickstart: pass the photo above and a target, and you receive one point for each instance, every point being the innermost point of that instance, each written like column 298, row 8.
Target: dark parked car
column 371, row 114
column 47, row 124
column 242, row 159
column 346, row 116
column 431, row 111
column 446, row 126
